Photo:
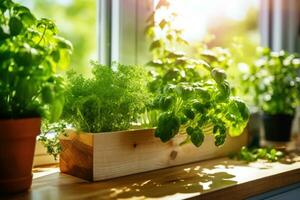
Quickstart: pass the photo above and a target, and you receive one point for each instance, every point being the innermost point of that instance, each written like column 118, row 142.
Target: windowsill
column 41, row 157
column 213, row 179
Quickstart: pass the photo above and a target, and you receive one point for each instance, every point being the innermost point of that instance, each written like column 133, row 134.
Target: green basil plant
column 30, row 54
column 193, row 96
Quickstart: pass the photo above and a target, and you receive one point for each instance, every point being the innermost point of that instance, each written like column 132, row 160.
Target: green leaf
column 203, row 119
column 261, row 153
column 250, row 155
column 56, row 55
column 56, row 108
column 183, row 119
column 189, row 130
column 28, row 18
column 174, row 55
column 155, row 63
column 168, row 126
column 170, row 37
column 163, row 23
column 202, row 93
column 19, row 9
column 25, row 90
column 154, row 85
column 64, row 58
column 156, row 44
column 220, row 139
column 218, row 75
column 182, row 41
column 15, row 26
column 23, row 57
column 47, row 24
column 63, row 43
column 197, row 137
column 166, row 102
column 185, row 91
column 189, row 113
column 215, row 129
column 224, row 92
column 209, row 56
column 171, row 74
column 48, row 94
column 243, row 109
column 199, row 106
column 5, row 5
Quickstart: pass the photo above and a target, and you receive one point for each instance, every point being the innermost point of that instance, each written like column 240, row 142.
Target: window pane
column 76, row 20
column 218, row 22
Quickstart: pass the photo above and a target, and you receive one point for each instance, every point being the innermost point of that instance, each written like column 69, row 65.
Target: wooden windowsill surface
column 221, row 178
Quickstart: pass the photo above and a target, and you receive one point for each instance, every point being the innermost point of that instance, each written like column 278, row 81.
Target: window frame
column 280, row 29
column 121, row 25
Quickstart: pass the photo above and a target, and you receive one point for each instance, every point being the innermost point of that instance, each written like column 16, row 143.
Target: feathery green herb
column 109, row 101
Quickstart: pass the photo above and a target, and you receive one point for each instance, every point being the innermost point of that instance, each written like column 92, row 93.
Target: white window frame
column 280, row 24
column 121, row 31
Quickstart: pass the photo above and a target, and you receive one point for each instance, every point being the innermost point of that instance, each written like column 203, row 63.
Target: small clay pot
column 17, row 145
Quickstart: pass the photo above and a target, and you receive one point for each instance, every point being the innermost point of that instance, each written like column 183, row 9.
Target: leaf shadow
column 193, row 180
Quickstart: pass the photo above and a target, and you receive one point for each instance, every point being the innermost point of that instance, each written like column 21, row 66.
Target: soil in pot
column 17, row 144
column 277, row 127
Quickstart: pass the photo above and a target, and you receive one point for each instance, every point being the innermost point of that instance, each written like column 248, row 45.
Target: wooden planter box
column 103, row 156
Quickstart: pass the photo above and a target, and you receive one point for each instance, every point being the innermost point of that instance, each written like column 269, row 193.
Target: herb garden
column 176, row 109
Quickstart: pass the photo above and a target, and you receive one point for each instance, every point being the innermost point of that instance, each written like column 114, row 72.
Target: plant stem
column 43, row 35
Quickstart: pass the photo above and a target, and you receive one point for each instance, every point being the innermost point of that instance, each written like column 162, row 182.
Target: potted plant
column 30, row 52
column 110, row 117
column 110, row 101
column 274, row 82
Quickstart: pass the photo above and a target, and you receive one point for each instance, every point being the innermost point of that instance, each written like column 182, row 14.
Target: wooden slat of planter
column 77, row 156
column 108, row 155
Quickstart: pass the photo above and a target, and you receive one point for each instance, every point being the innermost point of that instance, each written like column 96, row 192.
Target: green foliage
column 197, row 106
column 251, row 155
column 30, row 53
column 231, row 60
column 111, row 100
column 76, row 20
column 168, row 126
column 50, row 136
column 274, row 81
column 193, row 96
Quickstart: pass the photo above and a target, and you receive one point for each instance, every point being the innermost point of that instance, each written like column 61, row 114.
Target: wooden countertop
column 213, row 179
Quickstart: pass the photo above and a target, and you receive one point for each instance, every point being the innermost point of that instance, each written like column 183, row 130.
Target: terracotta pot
column 17, row 145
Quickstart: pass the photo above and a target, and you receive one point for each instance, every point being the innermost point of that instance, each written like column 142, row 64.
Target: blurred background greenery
column 231, row 24
column 76, row 21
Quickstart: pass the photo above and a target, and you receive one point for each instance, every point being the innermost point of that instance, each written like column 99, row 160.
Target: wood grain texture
column 109, row 155
column 213, row 179
column 77, row 156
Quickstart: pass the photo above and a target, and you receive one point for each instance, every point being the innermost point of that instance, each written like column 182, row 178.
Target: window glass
column 218, row 22
column 76, row 21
